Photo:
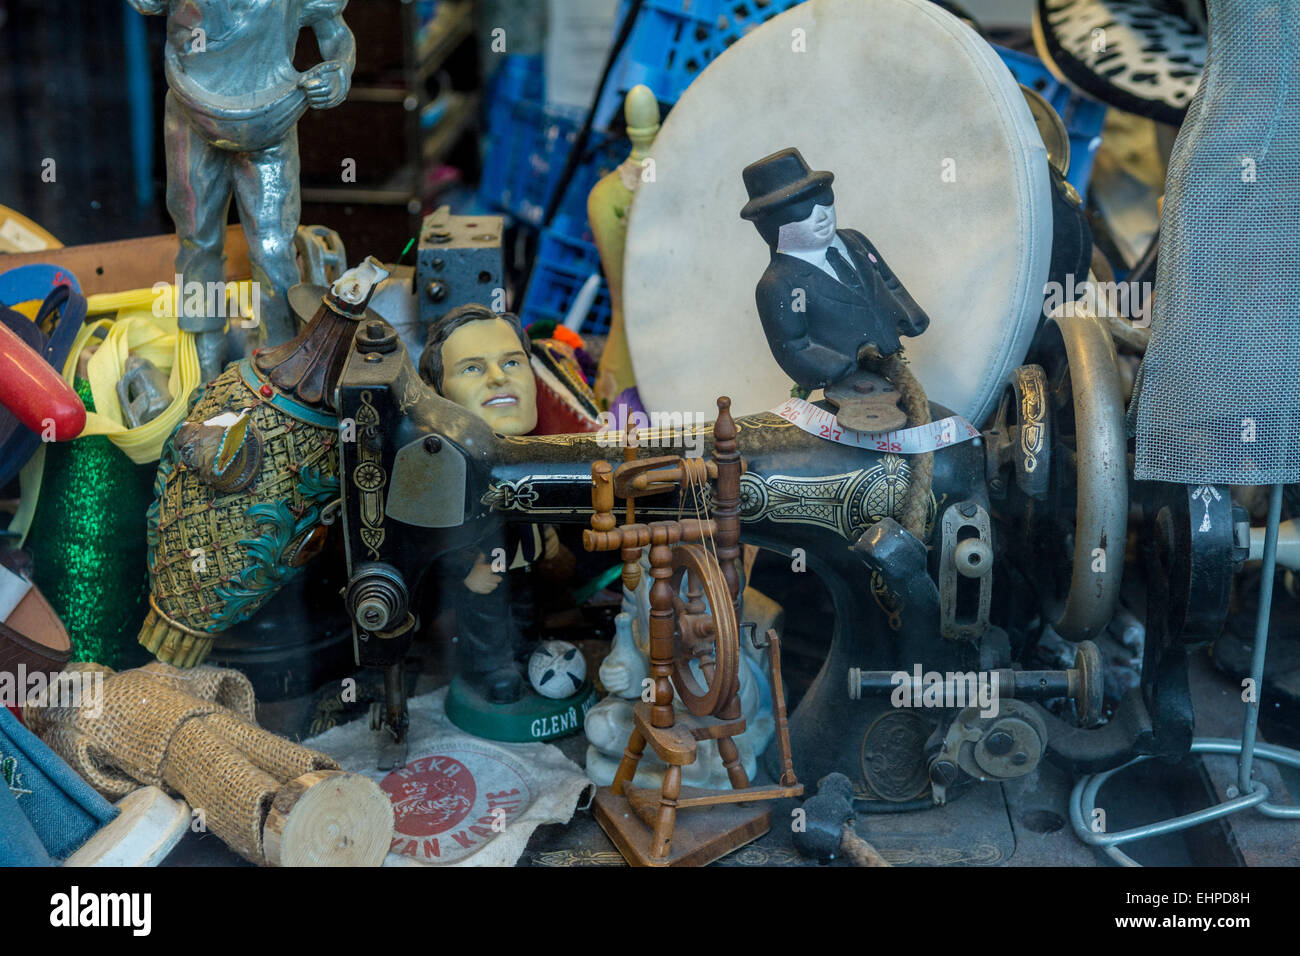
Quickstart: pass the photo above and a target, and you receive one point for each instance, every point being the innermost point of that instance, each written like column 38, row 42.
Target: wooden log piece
column 328, row 818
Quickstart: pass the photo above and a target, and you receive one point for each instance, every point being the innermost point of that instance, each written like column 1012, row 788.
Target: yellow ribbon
column 142, row 323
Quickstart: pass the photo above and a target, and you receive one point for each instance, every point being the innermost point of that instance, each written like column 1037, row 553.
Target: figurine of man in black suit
column 827, row 293
column 833, row 312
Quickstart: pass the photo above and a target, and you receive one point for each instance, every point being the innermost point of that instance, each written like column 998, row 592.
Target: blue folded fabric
column 42, row 797
column 19, row 844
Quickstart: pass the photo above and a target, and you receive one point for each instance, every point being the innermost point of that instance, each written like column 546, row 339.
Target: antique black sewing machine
column 1039, row 497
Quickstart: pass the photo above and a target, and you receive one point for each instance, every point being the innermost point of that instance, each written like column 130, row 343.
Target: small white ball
column 557, row 669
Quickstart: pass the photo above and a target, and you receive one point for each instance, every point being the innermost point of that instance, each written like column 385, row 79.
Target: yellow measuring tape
column 143, row 323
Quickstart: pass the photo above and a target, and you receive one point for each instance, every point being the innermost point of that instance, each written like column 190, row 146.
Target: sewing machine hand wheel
column 705, row 632
column 1081, row 539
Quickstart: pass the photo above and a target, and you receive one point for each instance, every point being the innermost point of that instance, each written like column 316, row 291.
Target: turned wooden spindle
column 661, row 630
column 662, row 841
column 631, row 554
column 686, row 471
column 643, row 535
column 778, row 700
column 602, row 497
column 726, row 504
column 631, row 557
column 627, row 766
column 726, row 516
column 603, row 522
column 629, row 455
column 730, row 754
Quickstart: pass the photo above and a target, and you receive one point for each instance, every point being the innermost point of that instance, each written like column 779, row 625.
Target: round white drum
column 936, row 159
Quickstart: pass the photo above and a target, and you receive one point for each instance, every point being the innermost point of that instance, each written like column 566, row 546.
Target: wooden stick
column 778, row 708
column 858, row 850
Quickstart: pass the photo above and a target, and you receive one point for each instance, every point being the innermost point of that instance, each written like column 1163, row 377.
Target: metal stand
column 1248, row 793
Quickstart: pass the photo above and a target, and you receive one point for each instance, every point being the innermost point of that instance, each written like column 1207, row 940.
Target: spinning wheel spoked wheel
column 695, row 644
column 705, row 633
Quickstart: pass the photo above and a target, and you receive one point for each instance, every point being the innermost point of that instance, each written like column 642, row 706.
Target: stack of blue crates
column 528, row 144
column 674, row 40
column 566, row 259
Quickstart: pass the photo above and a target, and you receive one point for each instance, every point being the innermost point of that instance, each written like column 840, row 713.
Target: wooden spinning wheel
column 694, row 658
column 705, row 633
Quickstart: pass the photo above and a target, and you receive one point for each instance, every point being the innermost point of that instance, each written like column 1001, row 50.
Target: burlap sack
column 191, row 732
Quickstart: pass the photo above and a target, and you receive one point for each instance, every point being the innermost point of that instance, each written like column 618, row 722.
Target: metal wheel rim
column 1101, row 519
column 1083, row 800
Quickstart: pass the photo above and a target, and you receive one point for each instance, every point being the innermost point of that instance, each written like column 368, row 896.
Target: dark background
column 63, row 95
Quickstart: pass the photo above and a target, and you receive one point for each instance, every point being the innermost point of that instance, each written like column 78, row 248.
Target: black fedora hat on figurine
column 782, row 179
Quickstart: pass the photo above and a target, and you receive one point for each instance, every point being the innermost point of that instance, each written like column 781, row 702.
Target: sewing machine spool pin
column 1081, row 683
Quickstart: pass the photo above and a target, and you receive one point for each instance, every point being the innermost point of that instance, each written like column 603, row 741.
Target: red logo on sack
column 430, row 795
column 447, row 806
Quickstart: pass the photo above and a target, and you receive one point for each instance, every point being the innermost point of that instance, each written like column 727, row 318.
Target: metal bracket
column 323, row 257
column 965, row 572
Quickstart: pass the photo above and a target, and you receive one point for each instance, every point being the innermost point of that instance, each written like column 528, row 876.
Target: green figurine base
column 531, row 718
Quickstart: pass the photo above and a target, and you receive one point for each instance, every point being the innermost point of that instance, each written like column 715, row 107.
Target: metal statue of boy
column 230, row 123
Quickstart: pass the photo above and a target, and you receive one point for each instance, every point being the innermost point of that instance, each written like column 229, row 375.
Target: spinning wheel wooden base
column 694, row 650
column 644, row 823
column 699, row 838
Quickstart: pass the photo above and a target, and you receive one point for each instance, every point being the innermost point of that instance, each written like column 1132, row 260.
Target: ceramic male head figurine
column 827, row 293
column 479, row 359
column 230, row 124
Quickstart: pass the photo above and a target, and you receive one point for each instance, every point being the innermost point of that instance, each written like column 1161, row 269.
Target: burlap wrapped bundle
column 192, row 732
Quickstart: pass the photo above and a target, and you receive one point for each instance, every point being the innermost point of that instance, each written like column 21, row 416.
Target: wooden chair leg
column 627, row 766
column 663, row 835
column 730, row 754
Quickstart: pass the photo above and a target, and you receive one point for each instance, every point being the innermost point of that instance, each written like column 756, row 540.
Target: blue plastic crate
column 528, row 144
column 566, row 258
column 673, row 41
column 1083, row 117
column 520, row 77
column 519, row 160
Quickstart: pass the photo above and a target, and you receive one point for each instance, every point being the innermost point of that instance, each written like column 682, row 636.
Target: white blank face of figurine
column 808, row 235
